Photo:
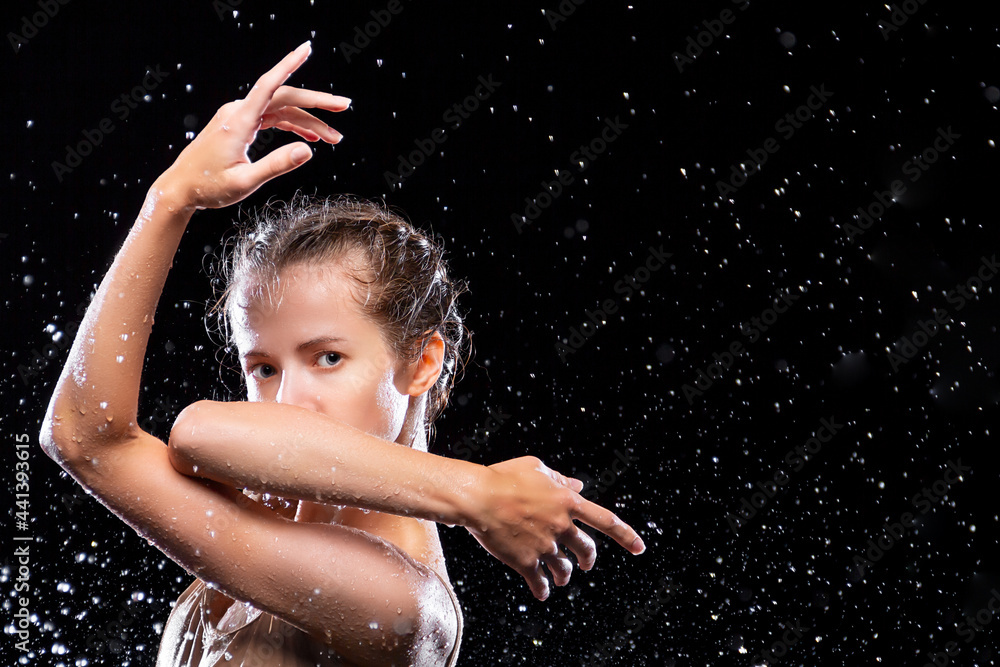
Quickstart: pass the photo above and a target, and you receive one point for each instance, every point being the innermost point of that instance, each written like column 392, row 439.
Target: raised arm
column 98, row 390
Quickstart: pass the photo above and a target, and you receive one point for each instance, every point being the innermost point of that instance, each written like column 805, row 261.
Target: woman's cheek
column 253, row 391
column 391, row 407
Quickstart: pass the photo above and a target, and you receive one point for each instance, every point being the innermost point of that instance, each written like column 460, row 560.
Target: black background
column 656, row 184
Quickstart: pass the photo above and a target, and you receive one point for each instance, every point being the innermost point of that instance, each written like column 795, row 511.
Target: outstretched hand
column 528, row 511
column 214, row 170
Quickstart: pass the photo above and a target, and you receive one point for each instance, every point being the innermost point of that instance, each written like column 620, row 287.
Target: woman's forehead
column 267, row 289
column 316, row 289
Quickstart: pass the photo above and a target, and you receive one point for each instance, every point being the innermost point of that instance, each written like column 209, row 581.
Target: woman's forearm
column 96, row 397
column 294, row 452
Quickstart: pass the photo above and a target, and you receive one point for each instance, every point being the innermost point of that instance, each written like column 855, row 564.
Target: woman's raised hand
column 526, row 515
column 214, row 170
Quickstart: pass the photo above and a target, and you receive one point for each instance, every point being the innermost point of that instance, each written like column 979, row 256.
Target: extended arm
column 519, row 510
column 297, row 453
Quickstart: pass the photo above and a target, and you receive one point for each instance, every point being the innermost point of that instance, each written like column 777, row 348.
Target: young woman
column 344, row 319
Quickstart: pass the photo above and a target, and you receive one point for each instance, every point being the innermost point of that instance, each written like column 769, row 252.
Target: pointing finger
column 608, row 523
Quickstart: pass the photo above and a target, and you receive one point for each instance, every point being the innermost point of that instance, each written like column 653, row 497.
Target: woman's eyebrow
column 309, row 343
column 321, row 339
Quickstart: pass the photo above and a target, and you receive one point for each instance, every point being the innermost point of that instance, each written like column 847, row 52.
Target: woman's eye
column 329, row 359
column 262, row 372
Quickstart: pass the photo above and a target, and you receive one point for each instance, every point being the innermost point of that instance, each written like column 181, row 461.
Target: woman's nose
column 296, row 389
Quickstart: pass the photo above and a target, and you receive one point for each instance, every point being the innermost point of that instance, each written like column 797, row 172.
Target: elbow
column 436, row 626
column 61, row 436
column 53, row 441
column 183, row 443
column 423, row 631
column 73, row 431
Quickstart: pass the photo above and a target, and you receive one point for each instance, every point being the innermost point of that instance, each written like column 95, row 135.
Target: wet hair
column 400, row 276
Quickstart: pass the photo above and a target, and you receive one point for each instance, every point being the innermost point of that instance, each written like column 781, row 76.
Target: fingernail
column 301, row 154
column 307, row 43
column 348, row 101
column 337, row 136
column 638, row 544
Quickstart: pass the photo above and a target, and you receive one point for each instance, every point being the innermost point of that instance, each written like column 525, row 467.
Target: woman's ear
column 427, row 368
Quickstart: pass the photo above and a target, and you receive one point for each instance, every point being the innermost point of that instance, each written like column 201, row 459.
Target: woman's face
column 316, row 350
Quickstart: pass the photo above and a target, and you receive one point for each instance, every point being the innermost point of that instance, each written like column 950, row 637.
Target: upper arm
column 312, row 575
